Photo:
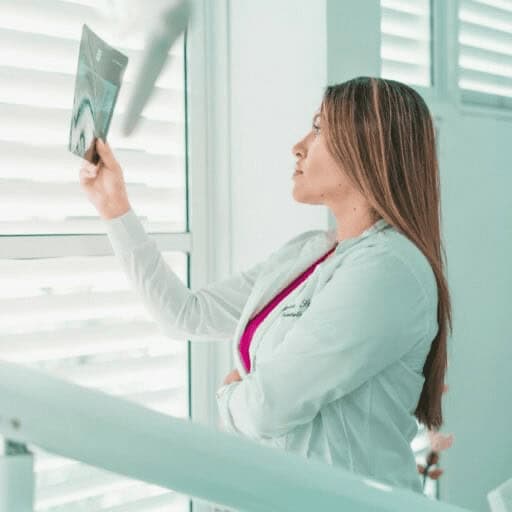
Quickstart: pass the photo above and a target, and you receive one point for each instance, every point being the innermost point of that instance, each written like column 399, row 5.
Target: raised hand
column 104, row 183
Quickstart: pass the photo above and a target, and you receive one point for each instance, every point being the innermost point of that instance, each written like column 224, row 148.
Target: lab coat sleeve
column 223, row 395
column 210, row 313
column 370, row 313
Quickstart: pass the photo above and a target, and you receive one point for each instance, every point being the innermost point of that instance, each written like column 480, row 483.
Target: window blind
column 406, row 41
column 39, row 189
column 77, row 317
column 485, row 52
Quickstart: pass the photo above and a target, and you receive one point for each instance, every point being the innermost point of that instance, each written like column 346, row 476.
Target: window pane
column 406, row 41
column 78, row 319
column 485, row 52
column 39, row 185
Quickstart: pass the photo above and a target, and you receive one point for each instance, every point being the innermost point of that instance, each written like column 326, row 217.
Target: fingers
column 89, row 167
column 88, row 172
column 232, row 376
column 103, row 149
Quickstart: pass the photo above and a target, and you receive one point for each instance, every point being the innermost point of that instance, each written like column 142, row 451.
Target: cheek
column 316, row 161
column 319, row 153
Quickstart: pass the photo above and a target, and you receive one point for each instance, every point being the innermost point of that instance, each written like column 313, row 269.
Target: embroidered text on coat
column 296, row 310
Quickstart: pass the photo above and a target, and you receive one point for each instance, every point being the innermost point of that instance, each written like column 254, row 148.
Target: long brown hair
column 382, row 134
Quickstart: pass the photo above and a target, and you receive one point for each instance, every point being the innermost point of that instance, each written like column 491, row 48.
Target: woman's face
column 322, row 181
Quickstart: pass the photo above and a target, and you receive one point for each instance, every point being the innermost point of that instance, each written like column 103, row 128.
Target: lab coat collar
column 290, row 264
column 331, row 236
column 313, row 249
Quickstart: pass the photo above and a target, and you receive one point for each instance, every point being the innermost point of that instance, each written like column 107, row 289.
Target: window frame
column 210, row 177
column 207, row 238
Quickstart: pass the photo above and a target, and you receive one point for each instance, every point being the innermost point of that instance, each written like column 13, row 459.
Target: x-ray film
column 98, row 80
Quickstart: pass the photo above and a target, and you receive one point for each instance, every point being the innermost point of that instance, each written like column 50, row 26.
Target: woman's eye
column 316, row 128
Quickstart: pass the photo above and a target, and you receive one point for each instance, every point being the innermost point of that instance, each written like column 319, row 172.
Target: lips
column 297, row 171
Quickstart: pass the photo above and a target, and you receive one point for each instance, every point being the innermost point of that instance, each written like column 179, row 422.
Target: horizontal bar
column 190, row 458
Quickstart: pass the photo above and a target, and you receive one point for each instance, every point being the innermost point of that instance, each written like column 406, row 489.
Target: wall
column 278, row 71
column 477, row 225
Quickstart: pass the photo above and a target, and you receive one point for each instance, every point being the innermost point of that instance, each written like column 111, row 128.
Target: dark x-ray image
column 98, row 80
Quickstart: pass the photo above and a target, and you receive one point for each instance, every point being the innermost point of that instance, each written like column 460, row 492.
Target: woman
column 353, row 347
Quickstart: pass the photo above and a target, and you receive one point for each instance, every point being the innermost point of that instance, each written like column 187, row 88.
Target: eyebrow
column 315, row 116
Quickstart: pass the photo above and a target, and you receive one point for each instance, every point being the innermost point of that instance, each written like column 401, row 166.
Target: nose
column 298, row 150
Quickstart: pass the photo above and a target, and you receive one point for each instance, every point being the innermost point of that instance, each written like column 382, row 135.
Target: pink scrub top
column 254, row 323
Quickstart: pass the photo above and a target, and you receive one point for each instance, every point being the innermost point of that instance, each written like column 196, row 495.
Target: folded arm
column 369, row 314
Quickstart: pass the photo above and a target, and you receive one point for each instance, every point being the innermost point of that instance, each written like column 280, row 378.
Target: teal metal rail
column 222, row 468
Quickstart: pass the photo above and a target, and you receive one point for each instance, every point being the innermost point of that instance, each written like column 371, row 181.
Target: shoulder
column 392, row 250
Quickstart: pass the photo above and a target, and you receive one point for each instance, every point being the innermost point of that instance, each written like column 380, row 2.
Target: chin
column 303, row 199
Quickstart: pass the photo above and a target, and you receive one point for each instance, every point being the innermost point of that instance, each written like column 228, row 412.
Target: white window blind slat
column 85, row 225
column 168, row 401
column 487, row 61
column 23, row 200
column 40, row 345
column 485, row 52
column 53, row 164
column 406, row 41
column 83, row 488
column 110, row 373
column 19, row 123
column 161, row 503
column 64, row 18
column 76, row 484
column 51, row 90
column 60, row 56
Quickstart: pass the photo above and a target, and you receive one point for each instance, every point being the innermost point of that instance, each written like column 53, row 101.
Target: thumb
column 105, row 153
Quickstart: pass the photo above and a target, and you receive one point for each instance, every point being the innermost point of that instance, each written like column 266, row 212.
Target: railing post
column 16, row 477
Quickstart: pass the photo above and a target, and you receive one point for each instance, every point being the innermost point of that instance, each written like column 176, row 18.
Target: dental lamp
column 169, row 25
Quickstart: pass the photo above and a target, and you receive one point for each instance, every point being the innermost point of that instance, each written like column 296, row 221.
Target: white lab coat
column 336, row 367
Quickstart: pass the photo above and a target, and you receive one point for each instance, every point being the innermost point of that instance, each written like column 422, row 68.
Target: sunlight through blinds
column 39, row 187
column 406, row 41
column 485, row 52
column 77, row 317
